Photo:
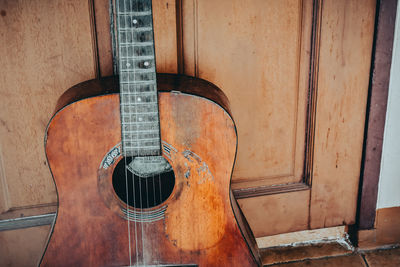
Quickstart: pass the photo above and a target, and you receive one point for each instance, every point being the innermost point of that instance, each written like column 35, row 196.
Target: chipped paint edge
column 305, row 238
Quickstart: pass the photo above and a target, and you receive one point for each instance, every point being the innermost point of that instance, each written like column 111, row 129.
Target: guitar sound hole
column 143, row 192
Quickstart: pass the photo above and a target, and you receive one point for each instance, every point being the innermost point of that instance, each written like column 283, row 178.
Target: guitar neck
column 137, row 78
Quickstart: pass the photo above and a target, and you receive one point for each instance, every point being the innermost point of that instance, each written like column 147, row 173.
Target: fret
column 138, row 57
column 138, row 88
column 142, row 109
column 128, row 122
column 145, row 131
column 136, row 50
column 141, row 127
column 139, row 142
column 153, row 82
column 134, row 63
column 134, row 5
column 136, row 44
column 134, row 123
column 134, row 93
column 132, row 139
column 126, row 125
column 137, row 103
column 134, row 135
column 138, row 77
column 139, row 99
column 135, row 37
column 137, row 71
column 134, row 13
column 140, row 147
column 136, row 29
column 138, row 109
column 141, row 152
column 136, row 21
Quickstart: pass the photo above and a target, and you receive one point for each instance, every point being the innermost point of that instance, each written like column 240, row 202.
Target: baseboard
column 386, row 231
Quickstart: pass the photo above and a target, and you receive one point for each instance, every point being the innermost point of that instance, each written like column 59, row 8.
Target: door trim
column 376, row 112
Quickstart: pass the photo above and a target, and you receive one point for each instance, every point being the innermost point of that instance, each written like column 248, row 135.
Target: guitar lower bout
column 111, row 213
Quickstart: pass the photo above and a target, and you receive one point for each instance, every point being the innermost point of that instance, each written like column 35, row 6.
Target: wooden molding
column 269, row 190
column 26, row 222
column 376, row 111
column 313, row 85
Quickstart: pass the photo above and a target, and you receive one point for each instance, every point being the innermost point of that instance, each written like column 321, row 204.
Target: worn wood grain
column 386, row 230
column 199, row 224
column 23, row 247
column 281, row 213
column 46, row 48
column 263, row 47
column 103, row 36
column 376, row 116
column 344, row 65
column 165, row 36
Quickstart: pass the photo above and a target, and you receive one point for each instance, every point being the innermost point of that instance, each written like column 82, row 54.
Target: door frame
column 376, row 113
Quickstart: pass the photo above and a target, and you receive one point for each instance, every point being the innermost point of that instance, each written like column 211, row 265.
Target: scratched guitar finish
column 143, row 164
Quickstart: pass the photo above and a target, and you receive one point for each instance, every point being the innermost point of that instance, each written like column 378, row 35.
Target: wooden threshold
column 303, row 237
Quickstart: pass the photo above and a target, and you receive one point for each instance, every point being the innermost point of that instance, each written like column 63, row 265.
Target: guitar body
column 199, row 223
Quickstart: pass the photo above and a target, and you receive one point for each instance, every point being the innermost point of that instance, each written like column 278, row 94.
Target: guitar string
column 156, row 252
column 124, row 141
column 137, row 109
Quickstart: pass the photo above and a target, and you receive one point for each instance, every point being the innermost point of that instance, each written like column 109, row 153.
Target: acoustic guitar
column 142, row 163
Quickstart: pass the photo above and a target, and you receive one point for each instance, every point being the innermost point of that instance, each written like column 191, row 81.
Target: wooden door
column 296, row 73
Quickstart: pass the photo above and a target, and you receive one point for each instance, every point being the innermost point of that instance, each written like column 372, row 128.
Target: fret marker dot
column 139, row 99
column 134, row 21
column 140, row 119
column 128, row 64
column 146, row 63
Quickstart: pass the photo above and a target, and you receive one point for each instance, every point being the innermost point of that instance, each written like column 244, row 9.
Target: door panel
column 257, row 53
column 261, row 53
column 41, row 46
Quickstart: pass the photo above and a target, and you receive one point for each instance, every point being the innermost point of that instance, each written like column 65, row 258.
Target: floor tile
column 287, row 254
column 381, row 258
column 353, row 260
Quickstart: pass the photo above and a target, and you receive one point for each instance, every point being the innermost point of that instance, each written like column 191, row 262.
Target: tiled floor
column 331, row 255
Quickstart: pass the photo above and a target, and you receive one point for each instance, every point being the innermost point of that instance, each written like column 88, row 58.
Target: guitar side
column 199, row 224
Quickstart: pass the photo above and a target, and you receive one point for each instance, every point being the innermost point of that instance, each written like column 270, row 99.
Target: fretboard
column 137, row 78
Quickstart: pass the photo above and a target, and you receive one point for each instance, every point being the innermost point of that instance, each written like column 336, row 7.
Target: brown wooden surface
column 281, row 213
column 102, row 24
column 23, row 247
column 46, row 48
column 257, row 53
column 45, row 54
column 344, row 65
column 376, row 117
column 386, row 230
column 199, row 226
